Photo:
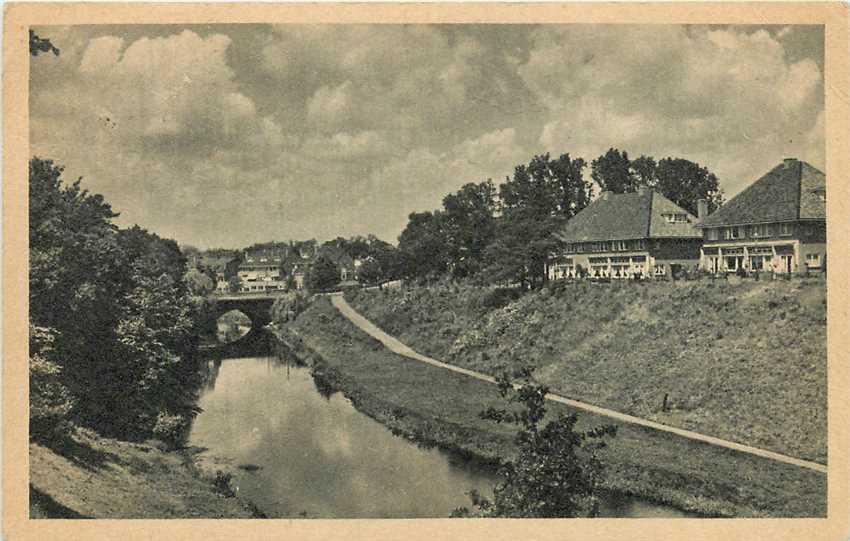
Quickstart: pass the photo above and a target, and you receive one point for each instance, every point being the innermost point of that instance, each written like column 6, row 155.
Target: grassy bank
column 742, row 361
column 88, row 476
column 435, row 406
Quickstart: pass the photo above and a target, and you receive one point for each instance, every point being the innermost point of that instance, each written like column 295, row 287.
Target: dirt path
column 396, row 346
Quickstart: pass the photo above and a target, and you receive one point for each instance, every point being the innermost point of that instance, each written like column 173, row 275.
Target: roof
column 790, row 191
column 635, row 215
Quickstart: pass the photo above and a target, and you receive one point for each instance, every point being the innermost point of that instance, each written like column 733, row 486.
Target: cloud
column 730, row 99
column 235, row 134
column 330, row 106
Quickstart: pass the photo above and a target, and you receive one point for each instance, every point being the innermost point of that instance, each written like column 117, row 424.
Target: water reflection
column 317, row 456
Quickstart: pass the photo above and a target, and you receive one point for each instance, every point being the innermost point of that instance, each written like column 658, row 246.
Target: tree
column 538, row 200
column 323, row 275
column 41, row 45
column 556, row 472
column 468, row 226
column 682, row 181
column 423, row 246
column 199, row 283
column 370, row 271
column 613, row 173
column 685, row 183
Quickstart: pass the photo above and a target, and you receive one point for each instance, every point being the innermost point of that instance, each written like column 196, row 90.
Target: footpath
column 396, row 346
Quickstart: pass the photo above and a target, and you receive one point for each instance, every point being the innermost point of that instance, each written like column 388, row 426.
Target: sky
column 226, row 135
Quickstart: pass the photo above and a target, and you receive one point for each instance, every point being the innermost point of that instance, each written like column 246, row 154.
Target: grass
column 434, row 406
column 88, row 476
column 741, row 361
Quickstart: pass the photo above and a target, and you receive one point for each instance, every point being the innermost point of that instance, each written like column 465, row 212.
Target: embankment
column 740, row 361
column 434, row 406
column 89, row 476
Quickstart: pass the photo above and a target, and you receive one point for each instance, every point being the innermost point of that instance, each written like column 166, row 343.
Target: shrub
column 556, row 472
column 170, row 428
column 499, row 298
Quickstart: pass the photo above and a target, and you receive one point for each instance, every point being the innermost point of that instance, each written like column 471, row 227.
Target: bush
column 170, row 428
column 50, row 401
column 556, row 472
column 499, row 298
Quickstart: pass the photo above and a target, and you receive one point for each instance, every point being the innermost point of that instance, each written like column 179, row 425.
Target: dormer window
column 675, row 217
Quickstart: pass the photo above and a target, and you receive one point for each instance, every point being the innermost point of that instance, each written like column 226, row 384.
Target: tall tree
column 422, row 245
column 468, row 226
column 685, row 183
column 323, row 275
column 613, row 173
column 539, row 198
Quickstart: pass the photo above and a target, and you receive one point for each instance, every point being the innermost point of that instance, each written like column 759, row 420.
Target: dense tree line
column 506, row 234
column 113, row 321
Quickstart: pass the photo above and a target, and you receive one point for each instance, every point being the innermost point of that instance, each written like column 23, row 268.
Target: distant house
column 223, row 264
column 778, row 223
column 345, row 263
column 630, row 235
column 262, row 269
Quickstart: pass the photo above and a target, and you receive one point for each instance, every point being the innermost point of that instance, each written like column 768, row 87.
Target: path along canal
column 306, row 451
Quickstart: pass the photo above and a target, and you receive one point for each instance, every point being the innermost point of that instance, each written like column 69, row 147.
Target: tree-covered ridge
column 112, row 320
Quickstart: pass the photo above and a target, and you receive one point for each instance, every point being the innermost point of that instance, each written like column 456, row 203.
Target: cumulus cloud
column 730, row 98
column 231, row 135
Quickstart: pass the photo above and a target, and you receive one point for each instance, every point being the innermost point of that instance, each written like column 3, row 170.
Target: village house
column 262, row 269
column 630, row 235
column 777, row 224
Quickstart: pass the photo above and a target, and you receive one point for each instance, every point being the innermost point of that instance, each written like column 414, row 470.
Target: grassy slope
column 104, row 478
column 746, row 362
column 434, row 405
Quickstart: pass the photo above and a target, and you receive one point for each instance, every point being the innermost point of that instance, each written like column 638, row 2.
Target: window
column 784, row 230
column 675, row 218
column 813, row 260
column 620, row 245
column 712, row 233
column 731, row 233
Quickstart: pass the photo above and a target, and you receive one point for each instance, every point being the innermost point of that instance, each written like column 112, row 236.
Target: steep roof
column 790, row 191
column 637, row 215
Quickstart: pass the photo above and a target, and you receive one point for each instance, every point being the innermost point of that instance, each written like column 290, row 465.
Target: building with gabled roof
column 776, row 224
column 629, row 235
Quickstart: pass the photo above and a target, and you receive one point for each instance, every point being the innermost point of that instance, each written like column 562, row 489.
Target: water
column 320, row 457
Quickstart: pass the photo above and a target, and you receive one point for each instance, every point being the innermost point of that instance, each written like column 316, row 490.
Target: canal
column 298, row 449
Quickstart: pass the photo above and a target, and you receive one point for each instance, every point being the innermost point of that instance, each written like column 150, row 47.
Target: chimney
column 604, row 195
column 702, row 209
column 789, row 162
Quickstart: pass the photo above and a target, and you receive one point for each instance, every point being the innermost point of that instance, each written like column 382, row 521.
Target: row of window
column 607, row 246
column 752, row 231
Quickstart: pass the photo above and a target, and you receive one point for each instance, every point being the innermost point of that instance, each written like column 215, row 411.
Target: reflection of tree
column 210, row 373
column 325, row 382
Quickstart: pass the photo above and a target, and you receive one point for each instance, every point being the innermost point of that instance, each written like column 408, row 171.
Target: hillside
column 742, row 361
column 94, row 477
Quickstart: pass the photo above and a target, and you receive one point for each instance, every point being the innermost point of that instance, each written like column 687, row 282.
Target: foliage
column 41, row 45
column 199, row 283
column 422, row 245
column 538, row 200
column 287, row 307
column 50, row 400
column 681, row 181
column 468, row 225
column 116, row 308
column 556, row 472
column 323, row 275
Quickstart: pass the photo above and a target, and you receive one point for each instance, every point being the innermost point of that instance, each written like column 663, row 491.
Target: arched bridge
column 256, row 306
